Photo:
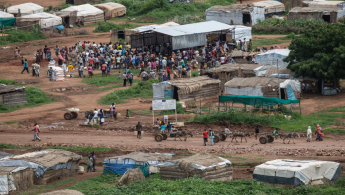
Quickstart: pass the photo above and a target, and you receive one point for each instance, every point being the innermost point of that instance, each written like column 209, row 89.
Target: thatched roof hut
column 48, row 165
column 207, row 166
column 263, row 86
column 11, row 95
column 242, row 57
column 227, row 72
column 236, row 14
column 187, row 89
column 330, row 15
column 112, row 10
column 23, row 179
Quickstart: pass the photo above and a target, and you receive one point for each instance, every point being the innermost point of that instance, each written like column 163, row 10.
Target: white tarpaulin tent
column 241, row 32
column 271, row 57
column 271, row 7
column 154, row 26
column 25, row 9
column 87, row 13
column 6, row 15
column 46, row 20
column 297, row 172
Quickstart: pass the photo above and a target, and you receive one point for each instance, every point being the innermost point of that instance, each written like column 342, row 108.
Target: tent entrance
column 246, row 19
column 121, row 34
column 326, row 18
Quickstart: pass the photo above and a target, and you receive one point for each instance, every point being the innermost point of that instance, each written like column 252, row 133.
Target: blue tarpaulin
column 122, row 168
column 60, row 27
column 290, row 94
column 168, row 94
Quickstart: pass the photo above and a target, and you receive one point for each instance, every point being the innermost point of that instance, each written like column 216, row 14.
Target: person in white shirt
column 227, row 130
column 118, row 62
column 124, row 79
column 222, row 60
column 309, row 133
column 95, row 117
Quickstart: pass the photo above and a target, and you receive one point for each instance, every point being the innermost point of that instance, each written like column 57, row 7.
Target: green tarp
column 255, row 100
column 7, row 22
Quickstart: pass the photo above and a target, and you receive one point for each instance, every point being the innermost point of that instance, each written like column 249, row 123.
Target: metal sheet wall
column 187, row 41
column 225, row 17
column 150, row 39
column 257, row 14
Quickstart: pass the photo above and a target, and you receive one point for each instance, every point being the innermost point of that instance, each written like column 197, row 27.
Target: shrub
column 108, row 26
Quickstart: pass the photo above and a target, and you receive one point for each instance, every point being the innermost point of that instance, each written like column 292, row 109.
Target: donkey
column 241, row 135
column 287, row 136
column 182, row 133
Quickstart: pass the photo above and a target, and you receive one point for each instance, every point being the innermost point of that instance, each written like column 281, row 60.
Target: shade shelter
column 25, row 9
column 112, row 10
column 180, row 37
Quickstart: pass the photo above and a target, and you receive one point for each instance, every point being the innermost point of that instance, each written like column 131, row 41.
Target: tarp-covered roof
column 189, row 85
column 244, row 8
column 41, row 16
column 84, row 10
column 314, row 9
column 252, row 82
column 26, row 8
column 195, row 28
column 255, row 100
column 234, row 67
column 9, row 88
column 144, row 157
column 322, row 4
column 110, row 6
column 268, row 4
column 6, row 15
column 282, row 70
column 154, row 26
column 283, row 52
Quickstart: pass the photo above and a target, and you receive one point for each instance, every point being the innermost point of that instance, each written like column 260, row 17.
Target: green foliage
column 104, row 184
column 62, row 6
column 8, row 146
column 319, row 53
column 9, row 82
column 195, row 74
column 81, row 149
column 337, row 109
column 143, row 90
column 22, row 36
column 35, row 97
column 108, row 26
column 264, row 42
column 100, row 80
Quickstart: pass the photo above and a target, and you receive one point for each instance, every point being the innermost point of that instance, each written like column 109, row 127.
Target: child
column 127, row 114
column 108, row 70
column 119, row 75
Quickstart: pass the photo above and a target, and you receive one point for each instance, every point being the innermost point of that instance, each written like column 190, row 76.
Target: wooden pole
column 300, row 110
column 16, row 32
column 269, row 115
column 200, row 108
column 226, row 106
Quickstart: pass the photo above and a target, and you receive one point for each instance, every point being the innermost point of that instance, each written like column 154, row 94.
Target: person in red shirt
column 83, row 46
column 205, row 133
column 91, row 61
column 36, row 130
column 104, row 68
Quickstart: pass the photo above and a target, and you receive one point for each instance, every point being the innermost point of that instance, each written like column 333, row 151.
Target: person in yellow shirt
column 70, row 69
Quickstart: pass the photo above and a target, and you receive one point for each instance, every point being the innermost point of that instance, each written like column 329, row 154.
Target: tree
column 319, row 53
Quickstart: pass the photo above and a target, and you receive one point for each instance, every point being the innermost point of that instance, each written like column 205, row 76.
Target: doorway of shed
column 326, row 18
column 246, row 19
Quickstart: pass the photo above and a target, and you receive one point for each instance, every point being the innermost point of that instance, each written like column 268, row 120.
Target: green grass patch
column 74, row 148
column 141, row 90
column 104, row 184
column 186, row 154
column 10, row 82
column 35, row 97
column 259, row 42
column 337, row 109
column 108, row 26
column 108, row 88
column 10, row 122
column 22, row 36
column 8, row 146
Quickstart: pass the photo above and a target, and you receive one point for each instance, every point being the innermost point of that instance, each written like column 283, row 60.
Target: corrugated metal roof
column 196, row 28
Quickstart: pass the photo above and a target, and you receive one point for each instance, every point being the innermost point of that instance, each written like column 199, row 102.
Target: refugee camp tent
column 297, row 172
column 6, row 15
column 207, row 166
column 271, row 7
column 147, row 162
column 271, row 57
column 48, row 165
column 236, row 14
column 322, row 4
column 46, row 20
column 13, row 179
column 87, row 13
column 227, row 72
column 240, row 32
column 112, row 10
column 25, row 9
column 264, row 86
column 12, row 95
column 187, row 89
column 330, row 15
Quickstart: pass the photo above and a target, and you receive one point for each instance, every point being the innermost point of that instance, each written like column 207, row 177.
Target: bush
column 22, row 36
column 108, row 26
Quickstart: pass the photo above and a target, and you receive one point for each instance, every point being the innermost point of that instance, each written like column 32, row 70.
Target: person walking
column 104, row 69
column 112, row 108
column 89, row 70
column 89, row 164
column 81, row 71
column 26, row 66
column 93, row 156
column 211, row 136
column 101, row 116
column 256, row 132
column 95, row 117
column 127, row 114
column 36, row 131
column 205, row 134
column 124, row 79
column 162, row 127
column 139, row 128
column 130, row 79
column 309, row 133
column 50, row 73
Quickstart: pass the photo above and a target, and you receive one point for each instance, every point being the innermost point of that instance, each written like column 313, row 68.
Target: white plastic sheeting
column 46, row 20
column 230, row 17
column 158, row 90
column 196, row 166
column 186, row 41
column 260, row 71
column 249, row 91
column 84, row 10
column 3, row 184
column 154, row 26
column 295, row 172
column 25, row 9
column 340, row 13
column 295, row 85
column 6, row 15
column 271, row 57
column 241, row 32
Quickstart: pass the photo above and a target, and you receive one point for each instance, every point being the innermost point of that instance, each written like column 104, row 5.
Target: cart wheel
column 158, row 138
column 67, row 116
column 222, row 137
column 74, row 114
column 263, row 140
column 165, row 136
column 216, row 139
column 270, row 139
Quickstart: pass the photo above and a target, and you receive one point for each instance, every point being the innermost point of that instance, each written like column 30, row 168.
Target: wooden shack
column 23, row 179
column 11, row 95
column 227, row 72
